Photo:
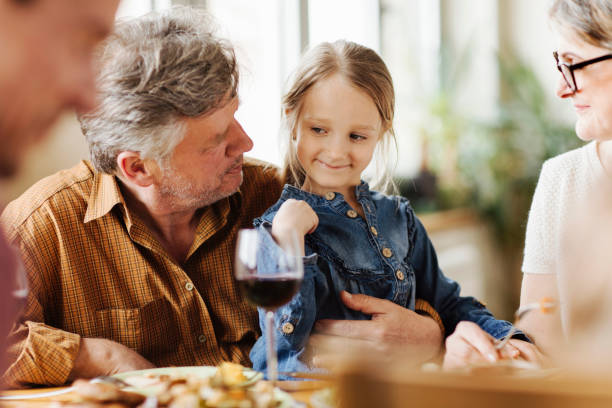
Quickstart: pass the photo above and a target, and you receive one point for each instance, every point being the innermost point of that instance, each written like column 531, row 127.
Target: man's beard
column 180, row 193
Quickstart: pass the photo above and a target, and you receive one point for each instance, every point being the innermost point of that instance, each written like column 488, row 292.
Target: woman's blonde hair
column 364, row 68
column 590, row 20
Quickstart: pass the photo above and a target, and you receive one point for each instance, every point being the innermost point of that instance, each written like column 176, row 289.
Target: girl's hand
column 470, row 345
column 294, row 216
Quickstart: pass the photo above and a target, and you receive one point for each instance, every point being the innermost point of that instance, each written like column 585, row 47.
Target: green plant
column 494, row 166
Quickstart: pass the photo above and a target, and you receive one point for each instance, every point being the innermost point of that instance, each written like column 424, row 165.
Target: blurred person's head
column 167, row 98
column 585, row 34
column 46, row 49
column 334, row 64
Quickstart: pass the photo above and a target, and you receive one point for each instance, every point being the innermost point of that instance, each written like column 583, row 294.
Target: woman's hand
column 294, row 217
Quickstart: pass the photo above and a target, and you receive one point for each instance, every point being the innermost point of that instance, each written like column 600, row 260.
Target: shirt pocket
column 150, row 329
column 372, row 282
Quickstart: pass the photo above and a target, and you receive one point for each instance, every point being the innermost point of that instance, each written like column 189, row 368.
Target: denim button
column 374, row 232
column 387, row 253
column 400, row 275
column 202, row 338
column 352, row 213
column 330, row 195
column 189, row 286
column 287, row 328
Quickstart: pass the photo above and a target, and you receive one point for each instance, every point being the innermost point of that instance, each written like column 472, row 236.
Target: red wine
column 269, row 292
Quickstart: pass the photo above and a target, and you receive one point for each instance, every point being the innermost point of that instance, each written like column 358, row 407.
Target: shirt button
column 189, row 286
column 352, row 213
column 387, row 253
column 202, row 338
column 287, row 328
column 400, row 275
column 330, row 195
column 374, row 232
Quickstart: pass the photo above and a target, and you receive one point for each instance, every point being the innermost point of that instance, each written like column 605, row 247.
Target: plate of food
column 229, row 385
column 228, row 375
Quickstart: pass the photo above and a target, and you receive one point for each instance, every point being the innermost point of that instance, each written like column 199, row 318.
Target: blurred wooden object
column 442, row 390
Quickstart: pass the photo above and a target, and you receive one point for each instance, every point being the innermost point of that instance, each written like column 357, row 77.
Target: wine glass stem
column 272, row 361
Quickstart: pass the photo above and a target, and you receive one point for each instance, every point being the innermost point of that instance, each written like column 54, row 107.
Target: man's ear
column 135, row 169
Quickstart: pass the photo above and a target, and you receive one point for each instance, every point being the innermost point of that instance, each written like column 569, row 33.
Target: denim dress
column 387, row 255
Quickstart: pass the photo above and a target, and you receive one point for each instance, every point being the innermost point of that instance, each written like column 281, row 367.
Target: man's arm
column 44, row 355
column 105, row 357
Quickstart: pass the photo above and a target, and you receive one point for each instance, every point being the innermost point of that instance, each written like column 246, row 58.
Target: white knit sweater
column 564, row 194
column 569, row 221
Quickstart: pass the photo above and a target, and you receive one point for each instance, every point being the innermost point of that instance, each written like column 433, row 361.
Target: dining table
column 300, row 391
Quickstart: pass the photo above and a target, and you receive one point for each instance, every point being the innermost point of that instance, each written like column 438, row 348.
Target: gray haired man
column 129, row 256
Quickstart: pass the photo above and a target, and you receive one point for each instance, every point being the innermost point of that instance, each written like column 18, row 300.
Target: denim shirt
column 387, row 255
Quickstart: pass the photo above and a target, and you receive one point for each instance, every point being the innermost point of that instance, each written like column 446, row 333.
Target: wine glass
column 268, row 275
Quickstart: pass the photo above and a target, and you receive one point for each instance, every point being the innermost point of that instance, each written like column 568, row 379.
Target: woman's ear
column 134, row 169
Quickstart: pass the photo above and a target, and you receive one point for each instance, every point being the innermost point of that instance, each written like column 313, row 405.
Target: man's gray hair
column 154, row 71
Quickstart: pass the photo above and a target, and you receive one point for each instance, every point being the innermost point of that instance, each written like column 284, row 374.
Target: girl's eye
column 318, row 130
column 357, row 137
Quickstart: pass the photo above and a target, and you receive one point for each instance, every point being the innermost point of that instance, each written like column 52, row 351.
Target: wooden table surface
column 299, row 390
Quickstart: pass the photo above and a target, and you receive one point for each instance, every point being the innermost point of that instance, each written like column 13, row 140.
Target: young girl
column 339, row 111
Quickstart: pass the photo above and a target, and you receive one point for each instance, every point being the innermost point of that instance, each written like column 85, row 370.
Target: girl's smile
column 338, row 129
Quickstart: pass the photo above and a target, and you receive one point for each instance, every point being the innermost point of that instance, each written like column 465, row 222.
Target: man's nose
column 240, row 142
column 563, row 89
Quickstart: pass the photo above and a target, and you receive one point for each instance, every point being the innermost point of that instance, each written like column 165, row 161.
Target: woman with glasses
column 569, row 189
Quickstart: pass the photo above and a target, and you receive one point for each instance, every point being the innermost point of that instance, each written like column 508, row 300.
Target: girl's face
column 337, row 132
column 593, row 97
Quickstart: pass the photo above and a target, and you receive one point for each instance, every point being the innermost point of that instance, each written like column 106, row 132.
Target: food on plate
column 105, row 392
column 193, row 391
column 228, row 387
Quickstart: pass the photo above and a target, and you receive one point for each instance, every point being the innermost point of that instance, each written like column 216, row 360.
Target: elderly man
column 46, row 48
column 129, row 257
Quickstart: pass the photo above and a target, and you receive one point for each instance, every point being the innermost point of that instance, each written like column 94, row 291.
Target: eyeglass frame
column 573, row 67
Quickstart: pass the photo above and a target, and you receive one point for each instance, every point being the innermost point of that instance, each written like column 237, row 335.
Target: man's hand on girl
column 391, row 327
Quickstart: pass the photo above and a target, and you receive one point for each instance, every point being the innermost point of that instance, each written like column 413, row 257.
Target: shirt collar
column 105, row 195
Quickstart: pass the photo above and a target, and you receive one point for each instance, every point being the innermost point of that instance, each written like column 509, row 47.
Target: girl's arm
column 294, row 321
column 294, row 219
column 476, row 328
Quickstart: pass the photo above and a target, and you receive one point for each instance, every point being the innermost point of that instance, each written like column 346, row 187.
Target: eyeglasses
column 567, row 70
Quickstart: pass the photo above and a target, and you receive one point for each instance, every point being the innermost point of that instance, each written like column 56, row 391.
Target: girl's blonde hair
column 364, row 68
